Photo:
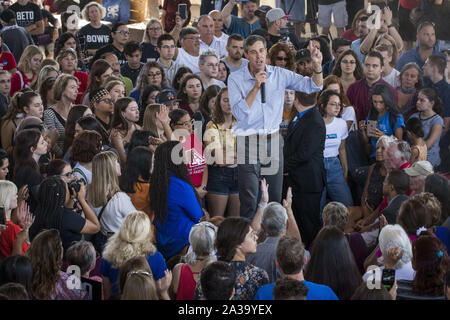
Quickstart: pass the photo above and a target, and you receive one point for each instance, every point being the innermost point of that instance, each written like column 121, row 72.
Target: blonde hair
column 24, row 64
column 433, row 206
column 149, row 123
column 133, row 239
column 61, row 84
column 335, row 214
column 139, row 285
column 111, row 84
column 43, row 74
column 393, row 44
column 7, row 191
column 146, row 38
column 85, row 12
column 105, row 182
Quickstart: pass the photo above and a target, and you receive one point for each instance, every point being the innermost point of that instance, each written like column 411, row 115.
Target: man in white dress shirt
column 205, row 27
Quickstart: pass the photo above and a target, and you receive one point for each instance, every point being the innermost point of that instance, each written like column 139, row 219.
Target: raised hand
column 287, row 203
column 23, row 194
column 264, row 192
column 163, row 115
column 22, row 213
column 163, row 284
column 316, row 56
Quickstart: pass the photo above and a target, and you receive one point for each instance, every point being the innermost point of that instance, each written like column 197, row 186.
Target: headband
column 99, row 95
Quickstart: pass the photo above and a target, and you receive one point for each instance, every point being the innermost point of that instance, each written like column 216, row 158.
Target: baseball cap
column 276, row 14
column 262, row 10
column 303, row 54
column 7, row 15
column 166, row 96
column 420, row 168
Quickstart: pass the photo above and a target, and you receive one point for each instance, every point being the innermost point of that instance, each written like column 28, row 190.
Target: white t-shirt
column 349, row 115
column 189, row 61
column 116, row 210
column 86, row 173
column 393, row 79
column 217, row 45
column 336, row 132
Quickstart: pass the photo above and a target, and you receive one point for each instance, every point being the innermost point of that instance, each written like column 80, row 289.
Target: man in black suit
column 395, row 186
column 303, row 164
column 209, row 5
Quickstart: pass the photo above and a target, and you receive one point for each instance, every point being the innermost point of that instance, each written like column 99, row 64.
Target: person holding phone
column 170, row 10
column 389, row 120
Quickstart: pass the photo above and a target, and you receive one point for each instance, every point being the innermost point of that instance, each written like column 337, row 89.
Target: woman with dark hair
column 4, row 164
column 348, row 68
column 67, row 23
column 191, row 90
column 148, row 98
column 84, row 148
column 124, row 123
column 68, row 40
column 429, row 107
column 431, row 263
column 11, row 120
column 335, row 155
column 388, row 118
column 181, row 72
column 234, row 240
column 119, row 35
column 31, row 103
column 181, row 125
column 151, row 74
column 348, row 112
column 48, row 281
column 173, row 199
column 207, row 102
column 47, row 92
column 140, row 138
column 224, row 72
column 223, row 189
column 56, row 210
column 17, row 269
column 103, row 108
column 410, row 82
column 438, row 185
column 282, row 56
column 75, row 113
column 330, row 256
column 30, row 146
column 60, row 168
column 135, row 179
column 98, row 73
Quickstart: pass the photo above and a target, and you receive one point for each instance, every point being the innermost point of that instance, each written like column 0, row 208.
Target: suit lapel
column 292, row 128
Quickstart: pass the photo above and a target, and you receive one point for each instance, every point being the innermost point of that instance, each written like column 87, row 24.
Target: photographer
column 56, row 200
column 277, row 30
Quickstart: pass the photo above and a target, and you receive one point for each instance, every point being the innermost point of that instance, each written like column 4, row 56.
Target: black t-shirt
column 95, row 38
column 28, row 14
column 109, row 48
column 149, row 52
column 128, row 72
column 71, row 225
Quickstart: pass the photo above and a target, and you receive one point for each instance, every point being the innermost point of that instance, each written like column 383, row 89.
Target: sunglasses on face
column 282, row 59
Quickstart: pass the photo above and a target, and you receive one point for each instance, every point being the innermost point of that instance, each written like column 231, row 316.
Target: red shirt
column 196, row 166
column 359, row 95
column 50, row 3
column 409, row 4
column 7, row 61
column 171, row 8
column 349, row 35
column 19, row 81
column 8, row 237
column 83, row 79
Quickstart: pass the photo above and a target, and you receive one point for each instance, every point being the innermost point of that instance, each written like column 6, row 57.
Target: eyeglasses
column 154, row 75
column 124, row 32
column 154, row 29
column 282, row 59
column 107, row 100
column 186, row 123
column 348, row 61
column 67, row 175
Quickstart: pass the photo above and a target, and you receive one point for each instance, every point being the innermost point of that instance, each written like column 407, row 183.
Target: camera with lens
column 75, row 185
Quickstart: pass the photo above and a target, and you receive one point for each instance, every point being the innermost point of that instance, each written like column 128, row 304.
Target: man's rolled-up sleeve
column 299, row 83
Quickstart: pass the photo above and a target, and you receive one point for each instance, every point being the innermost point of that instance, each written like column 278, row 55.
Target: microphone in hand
column 263, row 92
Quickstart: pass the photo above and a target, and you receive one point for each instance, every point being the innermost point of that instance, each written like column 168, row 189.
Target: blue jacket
column 183, row 211
column 117, row 10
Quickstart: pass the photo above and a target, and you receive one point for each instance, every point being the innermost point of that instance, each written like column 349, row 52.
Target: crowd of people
column 226, row 156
